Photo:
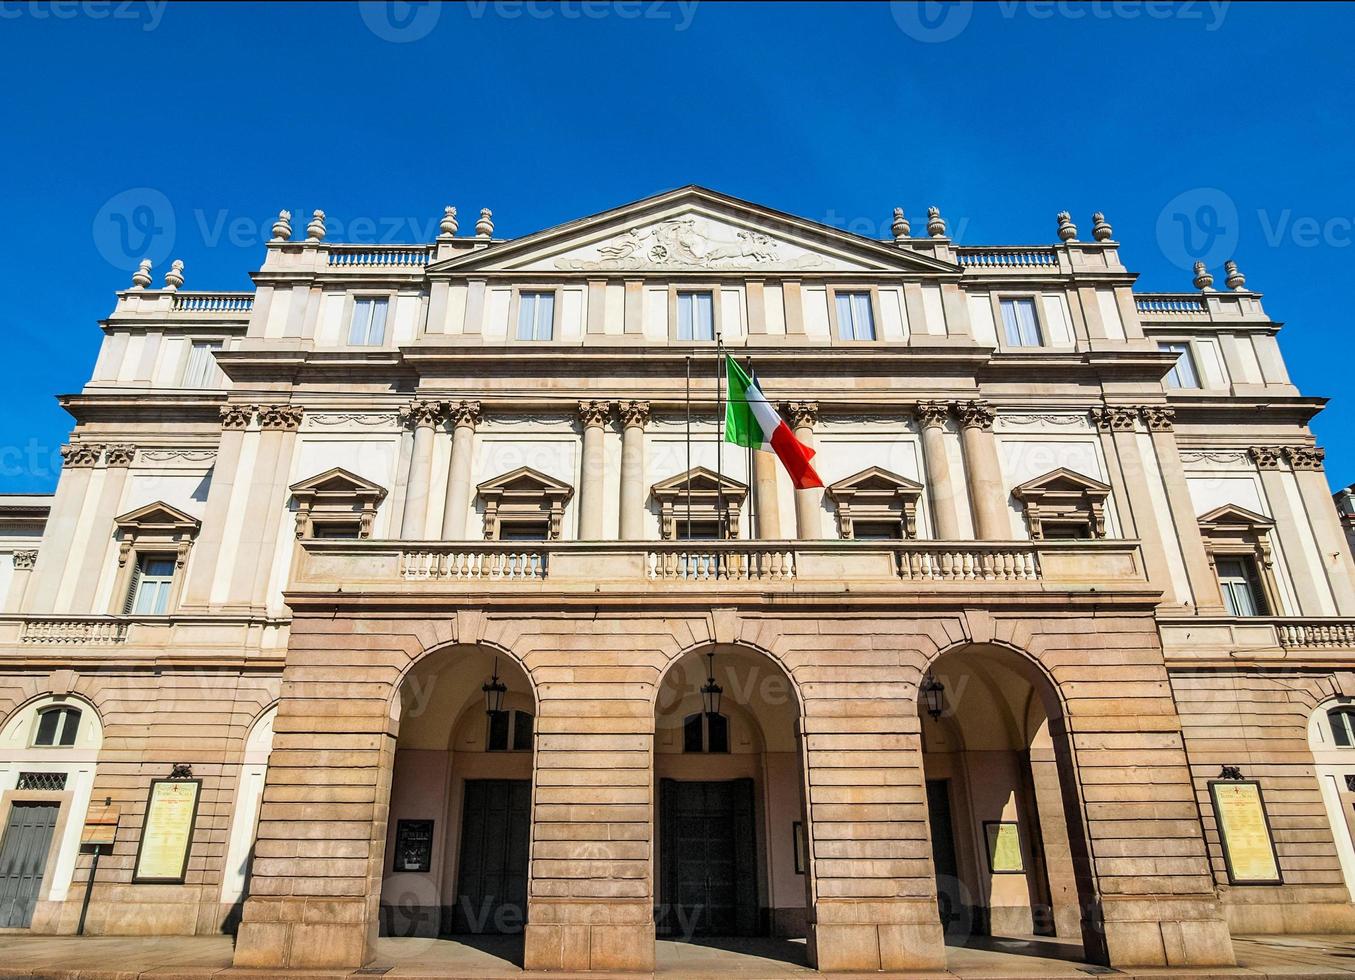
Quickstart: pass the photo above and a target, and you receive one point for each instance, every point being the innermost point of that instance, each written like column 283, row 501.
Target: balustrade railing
column 474, row 563
column 746, row 562
column 379, row 256
column 1171, row 304
column 74, row 631
column 1316, row 634
column 1001, row 257
column 213, row 302
column 944, row 562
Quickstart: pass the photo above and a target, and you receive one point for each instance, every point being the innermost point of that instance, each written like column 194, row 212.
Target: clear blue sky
column 1236, row 116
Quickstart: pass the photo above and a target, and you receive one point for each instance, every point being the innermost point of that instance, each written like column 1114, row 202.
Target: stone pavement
column 204, row 957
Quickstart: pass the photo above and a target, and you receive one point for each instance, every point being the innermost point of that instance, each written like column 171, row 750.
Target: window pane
column 524, row 531
column 1019, row 324
column 369, row 322
column 691, row 733
column 1340, row 727
column 844, row 316
column 855, row 321
column 684, row 314
column 498, row 732
column 696, row 316
column 201, row 370
column 535, row 315
column 1238, row 592
column 1182, row 374
column 877, row 531
column 47, row 723
column 717, row 733
column 522, row 731
column 71, row 719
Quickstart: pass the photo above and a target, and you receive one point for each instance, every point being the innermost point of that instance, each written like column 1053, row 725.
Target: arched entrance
column 731, row 837
column 1003, row 845
column 458, row 836
column 1331, row 736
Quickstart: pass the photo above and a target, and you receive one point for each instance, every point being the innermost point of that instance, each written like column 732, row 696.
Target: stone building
column 411, row 592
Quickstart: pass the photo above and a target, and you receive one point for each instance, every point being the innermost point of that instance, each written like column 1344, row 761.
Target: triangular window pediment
column 1231, row 515
column 1062, row 480
column 524, row 503
column 337, row 481
column 336, row 503
column 876, row 503
column 524, row 479
column 158, row 517
column 1064, row 503
column 700, row 481
column 876, row 479
column 693, row 229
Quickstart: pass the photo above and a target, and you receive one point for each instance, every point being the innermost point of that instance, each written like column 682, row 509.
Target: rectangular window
column 855, row 321
column 1065, row 530
column 536, row 316
column 522, row 731
column 336, row 529
column 696, row 530
column 498, row 732
column 877, row 530
column 696, row 316
column 1019, row 323
column 524, row 530
column 1183, row 373
column 152, row 580
column 202, row 371
column 1237, row 579
column 368, row 328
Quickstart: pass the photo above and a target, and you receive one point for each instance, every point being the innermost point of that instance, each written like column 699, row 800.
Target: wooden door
column 708, row 862
column 491, row 890
column 23, row 860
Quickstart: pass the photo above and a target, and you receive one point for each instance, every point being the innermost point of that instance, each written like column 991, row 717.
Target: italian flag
column 751, row 421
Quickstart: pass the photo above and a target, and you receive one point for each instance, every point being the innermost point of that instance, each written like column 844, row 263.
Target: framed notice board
column 167, row 832
column 1244, row 831
column 413, row 845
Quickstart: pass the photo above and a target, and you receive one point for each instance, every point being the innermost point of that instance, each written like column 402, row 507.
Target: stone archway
column 731, row 836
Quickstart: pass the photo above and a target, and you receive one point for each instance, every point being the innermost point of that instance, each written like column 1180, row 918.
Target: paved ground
column 203, row 957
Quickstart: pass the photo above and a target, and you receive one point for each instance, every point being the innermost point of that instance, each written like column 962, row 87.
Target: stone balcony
column 185, row 636
column 700, row 568
column 1242, row 639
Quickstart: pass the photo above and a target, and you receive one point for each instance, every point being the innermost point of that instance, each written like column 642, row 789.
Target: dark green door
column 23, row 860
column 708, row 864
column 491, row 888
column 955, row 914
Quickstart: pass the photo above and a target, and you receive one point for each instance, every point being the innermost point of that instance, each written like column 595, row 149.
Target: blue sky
column 183, row 129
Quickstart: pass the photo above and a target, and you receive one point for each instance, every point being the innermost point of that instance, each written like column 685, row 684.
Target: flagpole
column 752, row 481
column 720, row 433
column 689, row 446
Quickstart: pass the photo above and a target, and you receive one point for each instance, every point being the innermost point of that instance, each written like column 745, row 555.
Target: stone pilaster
column 931, row 420
column 808, row 503
column 987, row 498
column 264, row 505
column 1306, row 462
column 425, row 416
column 63, row 522
column 1310, row 586
column 634, row 416
column 593, row 416
column 91, row 564
column 235, row 420
column 18, row 584
column 465, row 416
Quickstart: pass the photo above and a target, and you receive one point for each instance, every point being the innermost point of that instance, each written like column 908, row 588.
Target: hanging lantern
column 710, row 691
column 933, row 697
column 494, row 690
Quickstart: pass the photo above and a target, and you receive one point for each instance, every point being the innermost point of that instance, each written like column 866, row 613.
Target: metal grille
column 42, row 780
column 1350, row 783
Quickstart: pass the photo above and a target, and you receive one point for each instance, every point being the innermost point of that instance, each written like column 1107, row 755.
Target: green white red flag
column 751, row 421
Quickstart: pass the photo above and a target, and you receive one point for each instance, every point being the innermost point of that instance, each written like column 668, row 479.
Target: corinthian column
column 634, row 415
column 465, row 416
column 986, row 499
column 593, row 415
column 808, row 503
column 931, row 419
column 424, row 416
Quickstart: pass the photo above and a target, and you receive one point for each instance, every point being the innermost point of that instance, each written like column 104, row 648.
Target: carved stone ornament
column 803, row 415
column 900, row 227
column 81, row 454
column 1204, row 279
column 1101, row 230
column 484, row 228
column 976, row 414
column 186, row 455
column 691, row 243
column 594, row 412
column 936, row 225
column 634, row 414
column 1266, row 457
column 315, row 231
column 464, row 414
column 25, row 559
column 280, row 417
column 141, row 278
column 1158, row 418
column 1114, row 418
column 931, row 414
column 1067, row 230
column 236, row 416
column 174, row 277
column 282, row 228
column 1305, row 457
column 1233, row 278
column 423, row 412
column 120, row 455
column 447, row 227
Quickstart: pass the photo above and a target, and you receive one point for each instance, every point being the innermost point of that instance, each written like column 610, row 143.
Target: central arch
column 458, row 836
column 731, row 841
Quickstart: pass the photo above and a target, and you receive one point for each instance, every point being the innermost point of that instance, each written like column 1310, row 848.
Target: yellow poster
column 168, row 830
column 1004, row 848
column 1245, row 833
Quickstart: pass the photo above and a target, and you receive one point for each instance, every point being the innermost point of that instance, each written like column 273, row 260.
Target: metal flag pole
column 689, row 446
column 720, row 437
column 752, row 480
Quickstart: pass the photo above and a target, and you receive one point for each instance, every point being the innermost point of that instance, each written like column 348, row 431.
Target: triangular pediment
column 524, row 480
column 1062, row 480
column 158, row 516
column 1235, row 516
column 875, row 480
column 338, row 481
column 693, row 230
column 701, row 481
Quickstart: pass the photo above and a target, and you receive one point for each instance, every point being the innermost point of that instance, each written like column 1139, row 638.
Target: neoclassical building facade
column 414, row 592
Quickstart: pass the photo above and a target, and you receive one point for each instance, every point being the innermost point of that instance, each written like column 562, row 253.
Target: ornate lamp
column 494, row 690
column 933, row 697
column 710, row 691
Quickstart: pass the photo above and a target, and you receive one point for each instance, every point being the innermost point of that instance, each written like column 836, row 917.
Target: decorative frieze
column 1042, row 421
column 976, row 414
column 1219, row 456
column 1115, row 418
column 79, row 454
column 324, row 420
column 178, row 455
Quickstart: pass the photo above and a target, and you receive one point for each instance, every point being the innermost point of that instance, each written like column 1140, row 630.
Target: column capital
column 285, row 418
column 634, row 414
column 120, row 455
column 236, row 416
column 976, row 414
column 593, row 412
column 803, row 415
column 25, row 559
column 1115, row 418
column 81, row 454
column 1266, row 457
column 1158, row 418
column 464, row 414
column 1305, row 457
column 423, row 412
column 932, row 414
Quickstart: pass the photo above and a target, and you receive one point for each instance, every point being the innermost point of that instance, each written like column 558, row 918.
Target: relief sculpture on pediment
column 689, row 243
